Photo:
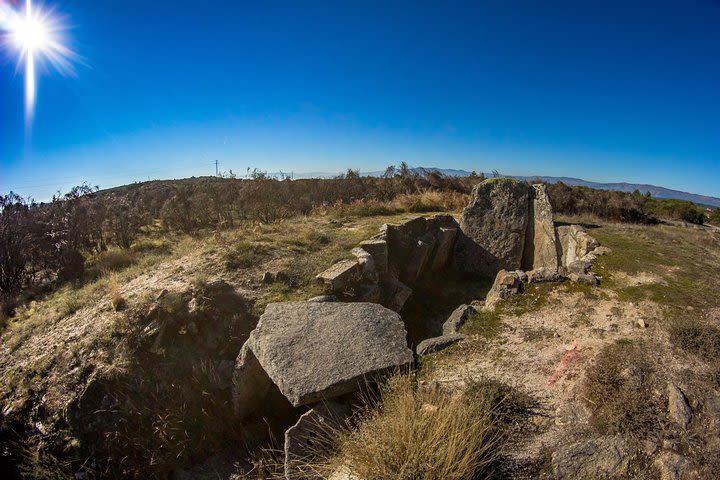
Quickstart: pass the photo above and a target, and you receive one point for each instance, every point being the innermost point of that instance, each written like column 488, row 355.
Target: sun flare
column 35, row 36
column 29, row 33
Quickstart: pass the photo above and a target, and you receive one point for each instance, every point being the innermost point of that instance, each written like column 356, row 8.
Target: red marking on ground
column 568, row 356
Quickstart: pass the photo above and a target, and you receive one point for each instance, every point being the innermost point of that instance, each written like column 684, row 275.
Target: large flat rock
column 317, row 351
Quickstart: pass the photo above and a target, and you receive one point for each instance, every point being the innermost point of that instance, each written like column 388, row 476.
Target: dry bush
column 696, row 337
column 419, row 434
column 619, row 389
column 367, row 207
column 422, row 202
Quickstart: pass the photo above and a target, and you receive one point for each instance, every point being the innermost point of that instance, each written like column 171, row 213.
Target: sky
column 605, row 91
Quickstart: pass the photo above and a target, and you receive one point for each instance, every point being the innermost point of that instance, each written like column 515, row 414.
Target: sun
column 30, row 33
column 35, row 35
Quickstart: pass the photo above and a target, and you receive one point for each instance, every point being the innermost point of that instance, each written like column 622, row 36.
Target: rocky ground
column 572, row 348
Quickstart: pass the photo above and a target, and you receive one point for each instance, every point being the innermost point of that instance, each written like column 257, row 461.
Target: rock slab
column 494, row 226
column 457, row 319
column 604, row 457
column 678, row 407
column 435, row 344
column 312, row 436
column 541, row 239
column 318, row 351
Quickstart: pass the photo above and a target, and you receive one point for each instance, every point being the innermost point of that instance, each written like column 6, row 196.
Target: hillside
column 131, row 373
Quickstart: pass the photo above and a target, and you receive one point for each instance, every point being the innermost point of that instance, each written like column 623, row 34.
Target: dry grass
column 110, row 261
column 419, row 433
column 116, row 299
column 423, row 202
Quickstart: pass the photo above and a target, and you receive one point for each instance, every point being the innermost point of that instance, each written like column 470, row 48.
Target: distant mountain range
column 655, row 191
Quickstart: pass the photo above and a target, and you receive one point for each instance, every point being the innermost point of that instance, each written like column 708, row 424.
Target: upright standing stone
column 494, row 225
column 543, row 246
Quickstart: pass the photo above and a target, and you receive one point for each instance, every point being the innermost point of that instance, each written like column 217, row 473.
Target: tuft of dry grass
column 418, row 433
column 69, row 302
column 115, row 260
column 116, row 299
column 246, row 254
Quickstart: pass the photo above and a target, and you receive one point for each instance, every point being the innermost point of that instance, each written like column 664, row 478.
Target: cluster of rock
column 313, row 354
column 508, row 231
column 387, row 266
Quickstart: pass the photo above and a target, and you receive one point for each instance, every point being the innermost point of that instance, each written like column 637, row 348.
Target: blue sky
column 605, row 91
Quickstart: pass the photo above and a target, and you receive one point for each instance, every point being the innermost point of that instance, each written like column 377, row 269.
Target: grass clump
column 417, row 433
column 618, row 389
column 160, row 246
column 486, row 323
column 116, row 299
column 696, row 338
column 114, row 260
column 246, row 254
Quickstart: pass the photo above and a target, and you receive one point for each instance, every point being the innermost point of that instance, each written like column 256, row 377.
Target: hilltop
column 131, row 368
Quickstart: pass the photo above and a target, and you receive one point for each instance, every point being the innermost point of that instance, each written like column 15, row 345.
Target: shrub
column 618, row 390
column 419, row 434
column 714, row 217
column 696, row 338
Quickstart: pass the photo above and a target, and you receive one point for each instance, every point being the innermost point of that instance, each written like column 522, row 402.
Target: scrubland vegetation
column 77, row 235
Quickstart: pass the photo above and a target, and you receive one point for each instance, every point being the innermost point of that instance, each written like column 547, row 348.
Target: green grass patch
column 680, row 257
column 246, row 254
column 487, row 324
column 533, row 298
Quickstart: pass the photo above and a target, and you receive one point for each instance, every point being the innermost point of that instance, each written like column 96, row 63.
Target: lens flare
column 35, row 36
